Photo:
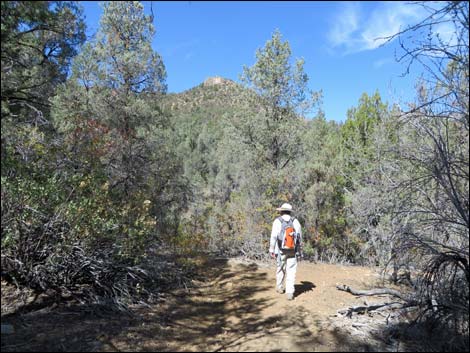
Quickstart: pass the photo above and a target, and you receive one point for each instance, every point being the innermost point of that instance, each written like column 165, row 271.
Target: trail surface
column 233, row 308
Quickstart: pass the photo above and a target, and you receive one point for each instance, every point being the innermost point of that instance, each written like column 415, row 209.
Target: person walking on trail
column 285, row 245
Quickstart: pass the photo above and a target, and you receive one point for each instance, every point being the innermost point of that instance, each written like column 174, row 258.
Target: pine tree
column 108, row 111
column 280, row 91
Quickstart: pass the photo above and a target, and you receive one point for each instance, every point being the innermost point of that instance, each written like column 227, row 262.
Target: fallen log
column 363, row 309
column 406, row 301
column 375, row 291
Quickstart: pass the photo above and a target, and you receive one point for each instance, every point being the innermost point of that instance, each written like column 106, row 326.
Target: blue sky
column 338, row 40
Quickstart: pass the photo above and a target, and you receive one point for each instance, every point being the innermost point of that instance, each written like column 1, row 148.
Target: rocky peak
column 216, row 80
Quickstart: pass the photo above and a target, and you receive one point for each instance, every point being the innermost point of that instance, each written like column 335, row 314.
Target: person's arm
column 274, row 232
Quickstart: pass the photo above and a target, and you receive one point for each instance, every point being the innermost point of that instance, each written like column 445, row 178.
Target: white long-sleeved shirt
column 277, row 226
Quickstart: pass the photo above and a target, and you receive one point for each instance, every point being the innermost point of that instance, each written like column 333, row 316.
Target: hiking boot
column 280, row 290
column 290, row 296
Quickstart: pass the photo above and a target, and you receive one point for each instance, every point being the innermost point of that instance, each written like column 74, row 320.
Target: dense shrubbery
column 89, row 185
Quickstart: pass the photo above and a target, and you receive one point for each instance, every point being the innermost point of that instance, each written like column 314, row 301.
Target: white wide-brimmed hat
column 285, row 207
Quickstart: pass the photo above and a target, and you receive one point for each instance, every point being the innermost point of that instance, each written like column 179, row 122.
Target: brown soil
column 234, row 309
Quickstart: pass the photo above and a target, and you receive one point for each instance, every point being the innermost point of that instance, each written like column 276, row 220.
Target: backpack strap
column 279, row 235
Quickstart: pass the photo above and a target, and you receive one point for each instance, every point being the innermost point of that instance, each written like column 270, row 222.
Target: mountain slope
column 214, row 97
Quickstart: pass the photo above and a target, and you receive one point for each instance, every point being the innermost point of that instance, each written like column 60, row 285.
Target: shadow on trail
column 303, row 287
column 216, row 315
column 225, row 311
column 212, row 315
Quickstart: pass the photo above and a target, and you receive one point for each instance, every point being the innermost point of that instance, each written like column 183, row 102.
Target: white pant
column 286, row 269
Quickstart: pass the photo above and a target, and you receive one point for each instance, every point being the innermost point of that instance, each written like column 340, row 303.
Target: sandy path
column 239, row 310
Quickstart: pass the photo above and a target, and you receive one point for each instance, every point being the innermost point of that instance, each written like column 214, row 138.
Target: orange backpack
column 287, row 238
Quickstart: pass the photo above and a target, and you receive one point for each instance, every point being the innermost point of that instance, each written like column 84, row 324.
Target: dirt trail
column 239, row 310
column 235, row 309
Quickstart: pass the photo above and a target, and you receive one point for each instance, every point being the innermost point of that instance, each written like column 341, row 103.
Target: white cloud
column 359, row 27
column 344, row 25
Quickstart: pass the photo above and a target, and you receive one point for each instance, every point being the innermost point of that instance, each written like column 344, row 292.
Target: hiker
column 285, row 246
